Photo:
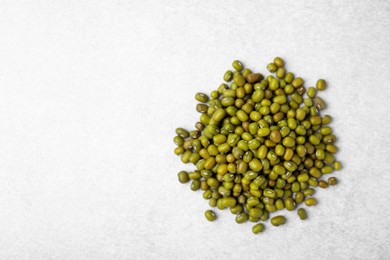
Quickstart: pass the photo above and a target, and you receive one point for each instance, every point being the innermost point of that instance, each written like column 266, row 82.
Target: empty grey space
column 91, row 93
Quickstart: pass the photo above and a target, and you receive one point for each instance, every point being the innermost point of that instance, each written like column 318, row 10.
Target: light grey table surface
column 90, row 95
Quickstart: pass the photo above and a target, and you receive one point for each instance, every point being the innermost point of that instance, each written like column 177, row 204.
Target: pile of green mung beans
column 260, row 145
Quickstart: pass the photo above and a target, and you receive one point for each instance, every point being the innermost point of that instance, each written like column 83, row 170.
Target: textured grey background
column 90, row 94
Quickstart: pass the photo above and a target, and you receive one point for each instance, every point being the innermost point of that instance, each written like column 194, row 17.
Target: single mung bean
column 288, row 141
column 210, row 215
column 255, row 212
column 182, row 132
column 258, row 95
column 331, row 148
column 228, row 76
column 265, row 216
column 314, row 140
column 226, row 102
column 249, row 87
column 201, row 97
column 272, row 156
column 210, row 163
column 308, row 192
column 290, row 166
column 301, row 140
column 273, row 176
column 326, row 119
column 242, row 116
column 311, row 92
column 289, row 204
column 254, row 77
column 297, row 82
column 269, row 193
column 319, row 103
column 308, row 102
column 242, row 217
column 195, row 185
column 302, row 213
column 323, row 184
column 179, row 150
column 282, row 99
column 314, row 112
column 279, row 169
column 246, row 72
column 202, row 108
column 270, row 208
column 203, row 185
column 275, row 136
column 199, row 126
column 239, row 80
column 207, row 194
column 212, row 182
column 337, row 165
column 262, row 132
column 303, row 177
column 327, row 169
column 289, row 89
column 185, row 157
column 253, row 144
column 214, row 94
column 219, row 114
column 300, row 114
column 301, row 90
column 183, row 177
column 194, row 158
column 204, row 154
column 243, row 145
column 288, row 154
column 255, row 165
column 279, row 204
column 178, row 140
column 295, row 187
column 297, row 97
column 274, row 84
column 299, row 197
column 279, row 150
column 236, row 209
column 216, row 195
column 310, row 202
column 315, row 172
column 301, row 150
column 329, row 139
column 280, row 72
column 321, row 84
column 271, row 67
column 228, row 202
column 332, row 181
column 212, row 202
column 252, row 201
column 222, row 87
column 325, row 130
column 204, row 119
column 312, row 182
column 278, row 220
column 258, row 228
column 242, row 167
column 194, row 175
column 219, row 139
column 278, row 61
column 237, row 65
column 206, row 173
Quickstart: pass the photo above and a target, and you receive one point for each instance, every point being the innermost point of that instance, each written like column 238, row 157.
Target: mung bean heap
column 261, row 145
